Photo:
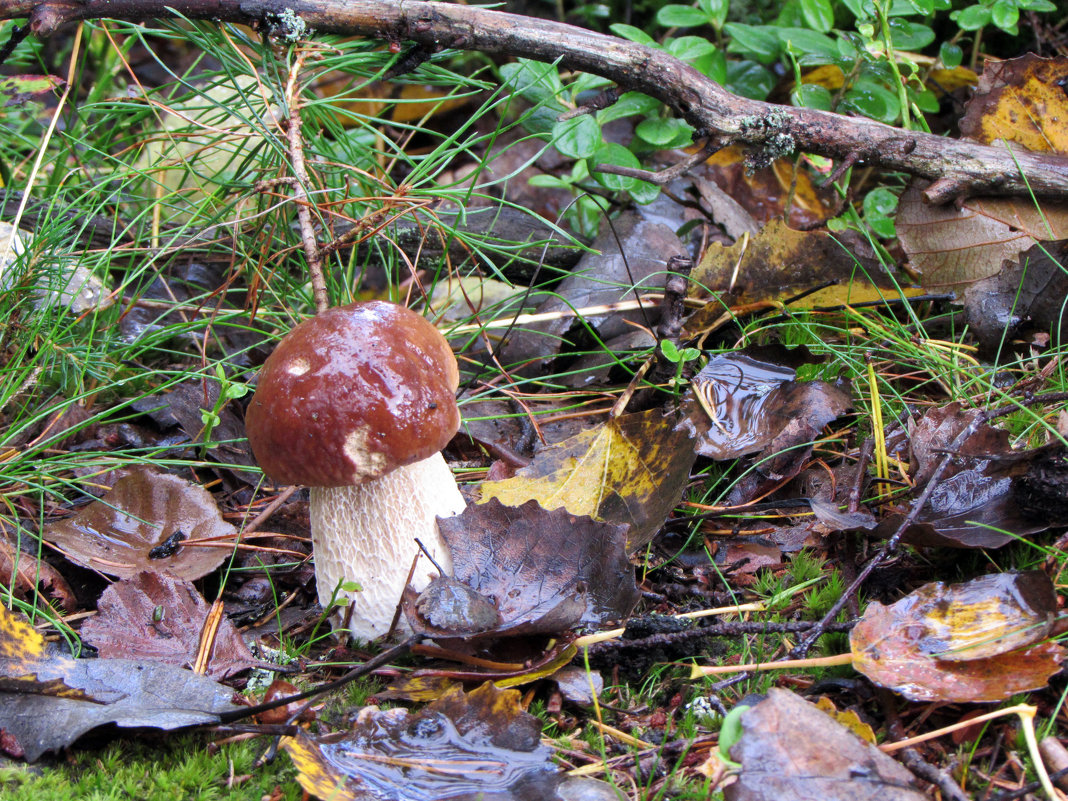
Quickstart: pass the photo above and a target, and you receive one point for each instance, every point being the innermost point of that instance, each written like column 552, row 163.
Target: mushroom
column 357, row 403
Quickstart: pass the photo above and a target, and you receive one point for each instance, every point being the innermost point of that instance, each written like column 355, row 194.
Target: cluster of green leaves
column 870, row 47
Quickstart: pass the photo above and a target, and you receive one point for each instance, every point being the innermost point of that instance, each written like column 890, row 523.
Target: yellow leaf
column 630, row 470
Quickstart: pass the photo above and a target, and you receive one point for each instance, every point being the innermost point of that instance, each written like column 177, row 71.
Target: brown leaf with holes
column 790, row 749
column 143, row 524
column 157, row 618
column 48, row 699
column 970, row 642
column 540, row 571
column 477, row 745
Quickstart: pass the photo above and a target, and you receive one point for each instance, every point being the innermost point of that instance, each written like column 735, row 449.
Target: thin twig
column 300, row 188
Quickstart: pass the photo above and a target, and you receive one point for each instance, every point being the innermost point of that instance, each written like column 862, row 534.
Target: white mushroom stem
column 366, row 533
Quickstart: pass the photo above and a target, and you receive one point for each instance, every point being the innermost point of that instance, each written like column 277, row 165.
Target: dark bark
column 957, row 168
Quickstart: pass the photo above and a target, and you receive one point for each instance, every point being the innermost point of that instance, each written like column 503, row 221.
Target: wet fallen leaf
column 543, row 572
column 141, row 525
column 1020, row 100
column 630, row 470
column 977, row 502
column 779, row 263
column 600, row 277
column 747, row 404
column 1027, row 295
column 479, row 745
column 48, row 700
column 791, row 749
column 968, row 642
column 156, row 618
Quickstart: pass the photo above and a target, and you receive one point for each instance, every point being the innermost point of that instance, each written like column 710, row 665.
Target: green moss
column 184, row 767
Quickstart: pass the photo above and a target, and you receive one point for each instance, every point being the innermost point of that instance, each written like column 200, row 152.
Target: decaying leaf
column 59, row 280
column 630, row 471
column 603, row 276
column 48, row 700
column 1017, row 103
column 970, row 642
column 23, row 574
column 141, row 525
column 951, row 247
column 156, row 618
column 17, row 89
column 745, row 404
column 1025, row 295
column 1020, row 100
column 782, row 188
column 977, row 502
column 542, row 572
column 779, row 263
column 463, row 746
column 791, row 749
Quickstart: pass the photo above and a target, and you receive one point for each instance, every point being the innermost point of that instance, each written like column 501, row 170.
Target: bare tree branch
column 957, row 168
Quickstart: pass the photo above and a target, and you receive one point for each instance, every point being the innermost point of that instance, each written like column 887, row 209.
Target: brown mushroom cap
column 351, row 394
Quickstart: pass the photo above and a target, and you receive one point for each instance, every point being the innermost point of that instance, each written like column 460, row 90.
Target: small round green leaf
column 612, row 153
column 633, row 34
column 681, row 17
column 812, row 95
column 818, row 14
column 577, row 137
column 951, row 55
column 1005, row 14
column 972, row 18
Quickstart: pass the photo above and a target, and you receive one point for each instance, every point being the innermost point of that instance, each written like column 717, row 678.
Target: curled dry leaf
column 48, row 700
column 157, row 618
column 478, row 745
column 541, row 572
column 632, row 470
column 142, row 525
column 968, row 642
column 791, row 749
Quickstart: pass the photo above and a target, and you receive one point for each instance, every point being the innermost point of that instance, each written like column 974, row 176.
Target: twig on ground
column 300, row 187
column 911, row 757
